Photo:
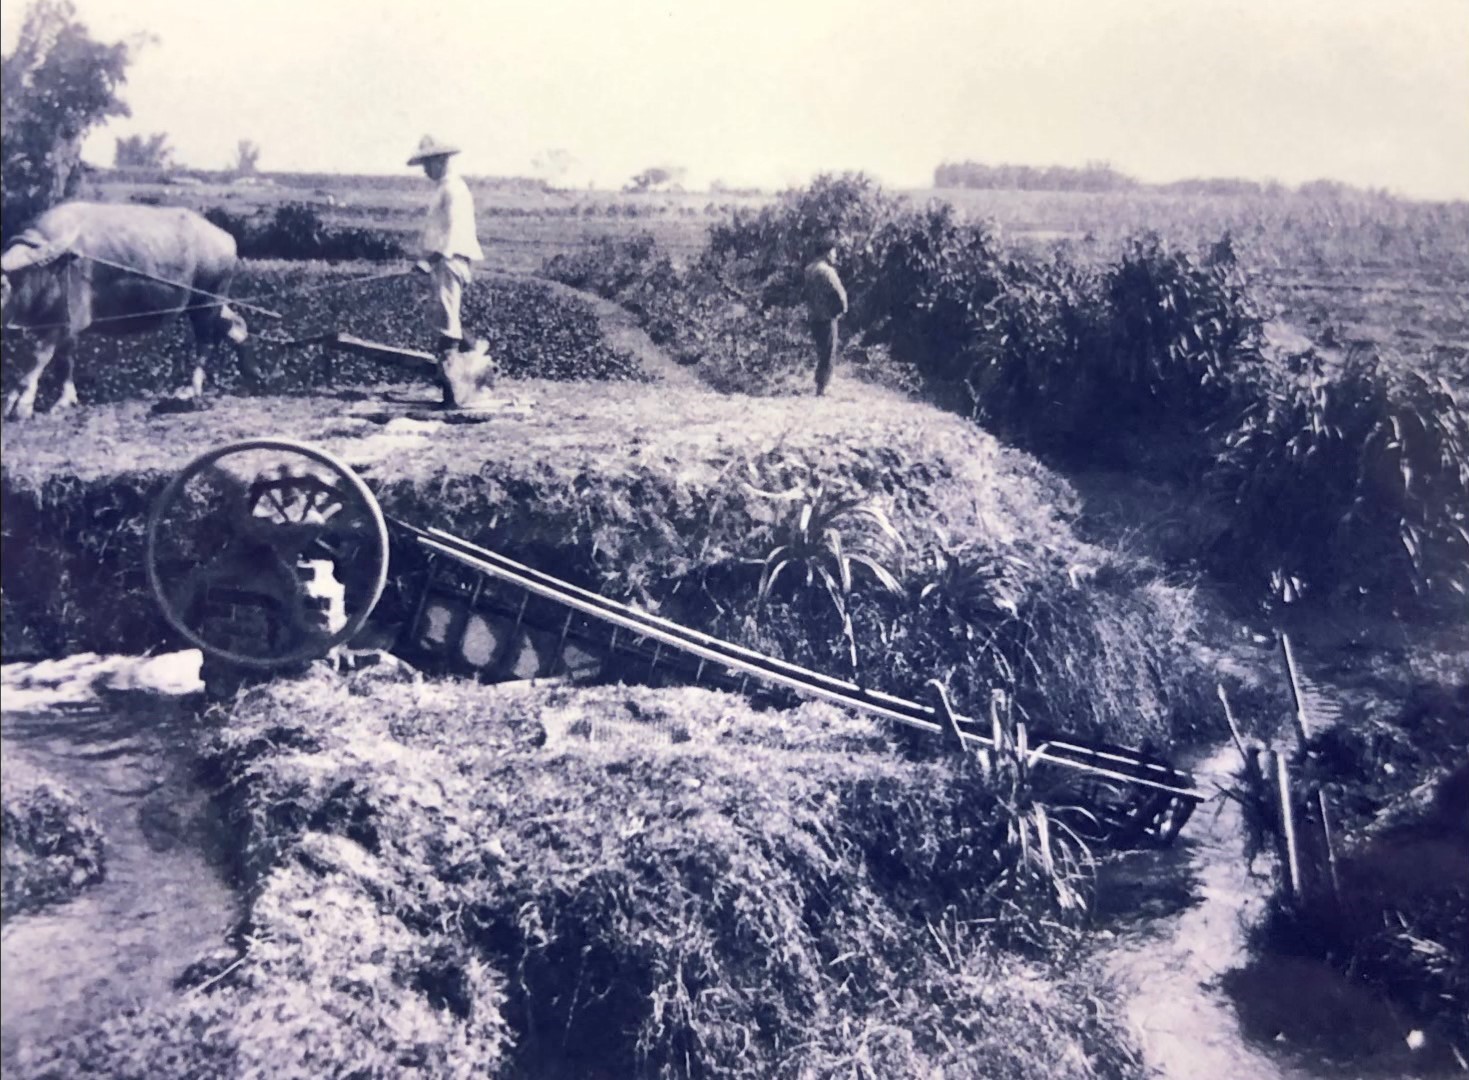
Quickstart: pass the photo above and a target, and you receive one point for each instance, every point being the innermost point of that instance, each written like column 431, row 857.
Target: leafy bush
column 632, row 272
column 932, row 295
column 1100, row 648
column 298, row 231
column 1181, row 332
column 822, row 540
column 59, row 83
column 1351, row 480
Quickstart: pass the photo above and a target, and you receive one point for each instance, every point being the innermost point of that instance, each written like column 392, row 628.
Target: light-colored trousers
column 449, row 277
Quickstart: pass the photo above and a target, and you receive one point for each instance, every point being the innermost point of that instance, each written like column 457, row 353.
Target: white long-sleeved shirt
column 449, row 230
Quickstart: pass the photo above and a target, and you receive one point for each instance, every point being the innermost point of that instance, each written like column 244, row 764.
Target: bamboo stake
column 1297, row 696
column 1330, row 847
column 1239, row 742
column 946, row 713
column 1287, row 823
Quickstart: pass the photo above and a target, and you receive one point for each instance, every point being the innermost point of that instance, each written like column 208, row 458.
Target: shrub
column 1102, row 649
column 1181, row 332
column 822, row 540
column 633, row 273
column 298, row 231
column 1351, row 481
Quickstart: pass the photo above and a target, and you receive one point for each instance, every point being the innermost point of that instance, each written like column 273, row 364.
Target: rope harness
column 220, row 300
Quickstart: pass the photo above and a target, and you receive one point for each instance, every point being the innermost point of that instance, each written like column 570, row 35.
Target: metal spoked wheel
column 267, row 553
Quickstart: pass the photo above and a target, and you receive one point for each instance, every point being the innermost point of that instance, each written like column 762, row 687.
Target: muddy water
column 124, row 753
column 1180, row 920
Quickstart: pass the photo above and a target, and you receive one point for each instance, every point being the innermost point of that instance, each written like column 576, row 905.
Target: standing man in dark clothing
column 826, row 302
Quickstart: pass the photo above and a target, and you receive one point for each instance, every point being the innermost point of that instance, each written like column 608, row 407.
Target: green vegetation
column 59, row 83
column 1137, row 332
column 1351, row 480
column 644, row 492
column 298, row 231
column 1395, row 926
column 533, row 330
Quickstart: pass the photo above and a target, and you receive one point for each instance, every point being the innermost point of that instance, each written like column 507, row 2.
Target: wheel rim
column 324, row 509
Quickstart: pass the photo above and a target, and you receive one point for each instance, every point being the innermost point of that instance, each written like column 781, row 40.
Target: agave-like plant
column 972, row 583
column 824, row 538
column 1044, row 865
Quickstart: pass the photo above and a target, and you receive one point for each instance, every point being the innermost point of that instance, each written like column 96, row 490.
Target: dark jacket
column 825, row 297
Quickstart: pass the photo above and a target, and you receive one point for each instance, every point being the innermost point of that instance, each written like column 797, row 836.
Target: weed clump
column 52, row 848
column 1383, row 951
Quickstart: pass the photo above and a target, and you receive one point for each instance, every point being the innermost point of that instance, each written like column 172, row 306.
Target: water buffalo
column 64, row 275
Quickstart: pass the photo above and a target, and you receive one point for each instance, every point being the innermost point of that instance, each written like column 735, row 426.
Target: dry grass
column 450, row 880
column 52, row 848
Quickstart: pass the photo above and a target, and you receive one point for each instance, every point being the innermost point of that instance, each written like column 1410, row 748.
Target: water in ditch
column 118, row 734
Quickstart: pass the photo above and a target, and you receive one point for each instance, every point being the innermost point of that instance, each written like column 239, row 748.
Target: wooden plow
column 478, row 613
column 464, row 377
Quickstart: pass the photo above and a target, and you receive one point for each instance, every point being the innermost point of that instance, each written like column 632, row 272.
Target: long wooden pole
column 1287, row 822
column 1296, row 693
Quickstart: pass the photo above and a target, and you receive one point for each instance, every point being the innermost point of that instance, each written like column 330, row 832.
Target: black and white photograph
column 679, row 540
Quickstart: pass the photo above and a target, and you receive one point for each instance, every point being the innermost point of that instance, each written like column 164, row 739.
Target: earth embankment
column 671, row 497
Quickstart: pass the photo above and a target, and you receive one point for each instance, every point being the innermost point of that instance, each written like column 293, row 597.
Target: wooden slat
column 1113, row 763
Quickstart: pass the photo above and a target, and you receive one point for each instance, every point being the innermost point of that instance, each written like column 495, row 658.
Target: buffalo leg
column 21, row 403
column 245, row 358
column 66, row 357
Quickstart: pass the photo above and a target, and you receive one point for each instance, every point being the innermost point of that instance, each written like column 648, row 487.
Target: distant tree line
column 1100, row 176
column 1095, row 176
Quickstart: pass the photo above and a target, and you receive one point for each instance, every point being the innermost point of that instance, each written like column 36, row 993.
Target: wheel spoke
column 223, row 551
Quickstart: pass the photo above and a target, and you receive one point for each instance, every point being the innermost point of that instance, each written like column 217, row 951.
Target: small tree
column 659, row 176
column 143, row 151
column 247, row 158
column 57, row 84
column 553, row 165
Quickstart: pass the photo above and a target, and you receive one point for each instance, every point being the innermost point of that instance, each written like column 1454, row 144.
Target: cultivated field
column 1354, row 270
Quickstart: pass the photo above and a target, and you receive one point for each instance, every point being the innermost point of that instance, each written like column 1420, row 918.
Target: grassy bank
column 447, row 880
column 674, row 498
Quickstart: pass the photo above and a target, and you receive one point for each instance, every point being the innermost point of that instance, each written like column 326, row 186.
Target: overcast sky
column 769, row 92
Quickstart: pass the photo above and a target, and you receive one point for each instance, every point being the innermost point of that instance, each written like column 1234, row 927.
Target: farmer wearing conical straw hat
column 450, row 245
